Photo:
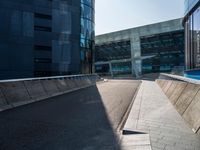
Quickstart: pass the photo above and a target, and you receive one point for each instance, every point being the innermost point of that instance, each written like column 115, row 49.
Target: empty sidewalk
column 153, row 114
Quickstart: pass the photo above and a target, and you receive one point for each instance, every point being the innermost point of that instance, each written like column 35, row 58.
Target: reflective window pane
column 196, row 37
column 165, row 50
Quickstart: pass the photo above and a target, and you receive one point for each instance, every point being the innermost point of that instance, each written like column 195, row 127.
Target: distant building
column 147, row 49
column 192, row 33
column 46, row 37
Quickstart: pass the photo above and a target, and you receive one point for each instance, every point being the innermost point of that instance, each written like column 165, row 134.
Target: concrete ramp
column 153, row 114
column 185, row 97
column 86, row 119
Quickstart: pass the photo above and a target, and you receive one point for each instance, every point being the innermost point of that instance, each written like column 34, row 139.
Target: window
column 196, row 37
column 42, row 16
column 165, row 48
column 42, row 73
column 42, row 28
column 42, row 48
column 113, row 51
column 42, row 60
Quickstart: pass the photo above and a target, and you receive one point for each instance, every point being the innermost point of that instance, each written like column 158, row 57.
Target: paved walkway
column 86, row 119
column 152, row 113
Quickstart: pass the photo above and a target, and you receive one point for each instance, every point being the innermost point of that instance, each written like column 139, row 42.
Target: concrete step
column 135, row 142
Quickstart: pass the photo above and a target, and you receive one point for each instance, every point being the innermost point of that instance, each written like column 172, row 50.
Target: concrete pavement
column 89, row 119
column 82, row 120
column 153, row 114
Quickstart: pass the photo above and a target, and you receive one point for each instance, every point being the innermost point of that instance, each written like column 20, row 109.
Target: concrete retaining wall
column 185, row 97
column 15, row 93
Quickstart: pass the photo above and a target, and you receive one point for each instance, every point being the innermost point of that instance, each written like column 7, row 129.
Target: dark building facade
column 142, row 50
column 167, row 50
column 192, row 34
column 113, row 51
column 45, row 37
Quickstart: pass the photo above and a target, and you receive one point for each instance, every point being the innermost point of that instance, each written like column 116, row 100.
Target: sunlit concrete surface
column 152, row 113
column 86, row 119
column 92, row 119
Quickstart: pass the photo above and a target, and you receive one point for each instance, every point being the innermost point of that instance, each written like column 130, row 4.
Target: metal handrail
column 80, row 76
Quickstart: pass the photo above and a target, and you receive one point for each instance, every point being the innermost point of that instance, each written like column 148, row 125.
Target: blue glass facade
column 42, row 37
column 189, row 4
column 142, row 50
column 192, row 34
column 116, row 50
column 113, row 51
column 166, row 49
column 87, row 35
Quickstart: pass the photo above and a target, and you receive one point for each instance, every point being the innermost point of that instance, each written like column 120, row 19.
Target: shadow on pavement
column 74, row 121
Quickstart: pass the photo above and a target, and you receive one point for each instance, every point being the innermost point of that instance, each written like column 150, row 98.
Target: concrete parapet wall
column 50, row 87
column 15, row 93
column 62, row 85
column 176, row 93
column 3, row 102
column 167, row 86
column 185, row 97
column 71, row 84
column 192, row 114
column 171, row 89
column 35, row 89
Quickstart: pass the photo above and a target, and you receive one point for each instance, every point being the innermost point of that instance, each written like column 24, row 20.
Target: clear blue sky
column 114, row 15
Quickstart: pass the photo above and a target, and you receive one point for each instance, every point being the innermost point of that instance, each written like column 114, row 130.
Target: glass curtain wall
column 166, row 52
column 116, row 50
column 87, row 35
column 118, row 53
column 189, row 4
column 192, row 30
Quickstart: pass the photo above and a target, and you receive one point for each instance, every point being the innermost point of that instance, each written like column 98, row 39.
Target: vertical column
column 111, row 71
column 135, row 55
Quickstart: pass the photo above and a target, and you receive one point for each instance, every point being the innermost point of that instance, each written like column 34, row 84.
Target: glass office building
column 166, row 49
column 46, row 37
column 142, row 50
column 87, row 35
column 192, row 34
column 113, row 51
